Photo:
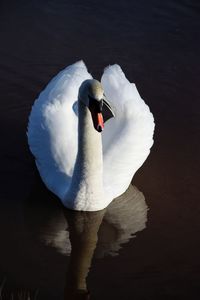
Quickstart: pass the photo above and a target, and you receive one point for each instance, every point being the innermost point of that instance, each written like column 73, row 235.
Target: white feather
column 53, row 132
column 128, row 137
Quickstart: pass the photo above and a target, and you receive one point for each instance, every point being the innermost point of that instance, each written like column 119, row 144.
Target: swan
column 89, row 137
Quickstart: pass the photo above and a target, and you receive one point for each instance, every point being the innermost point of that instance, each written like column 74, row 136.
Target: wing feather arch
column 128, row 137
column 52, row 129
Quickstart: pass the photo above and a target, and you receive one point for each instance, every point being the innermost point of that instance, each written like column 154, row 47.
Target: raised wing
column 128, row 137
column 52, row 130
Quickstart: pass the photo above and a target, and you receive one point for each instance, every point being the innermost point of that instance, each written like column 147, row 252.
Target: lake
column 146, row 244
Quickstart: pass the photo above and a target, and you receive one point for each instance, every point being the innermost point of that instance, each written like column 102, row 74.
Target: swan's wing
column 52, row 130
column 128, row 137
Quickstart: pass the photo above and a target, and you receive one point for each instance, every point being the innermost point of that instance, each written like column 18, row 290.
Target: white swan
column 84, row 168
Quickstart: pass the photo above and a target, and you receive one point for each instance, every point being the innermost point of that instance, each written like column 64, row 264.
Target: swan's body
column 84, row 168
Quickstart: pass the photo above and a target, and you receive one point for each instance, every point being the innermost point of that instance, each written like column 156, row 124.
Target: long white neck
column 86, row 190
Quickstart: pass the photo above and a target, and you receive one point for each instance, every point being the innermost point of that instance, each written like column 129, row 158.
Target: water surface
column 157, row 45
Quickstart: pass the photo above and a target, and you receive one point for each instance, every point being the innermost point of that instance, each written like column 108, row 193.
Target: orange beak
column 100, row 122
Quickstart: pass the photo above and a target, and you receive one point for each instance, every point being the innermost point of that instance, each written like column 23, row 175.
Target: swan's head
column 91, row 93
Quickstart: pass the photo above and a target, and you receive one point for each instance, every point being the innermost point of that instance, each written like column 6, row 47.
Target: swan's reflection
column 83, row 228
column 78, row 234
column 125, row 216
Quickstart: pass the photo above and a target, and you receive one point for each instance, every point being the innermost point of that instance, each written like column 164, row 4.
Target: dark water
column 157, row 44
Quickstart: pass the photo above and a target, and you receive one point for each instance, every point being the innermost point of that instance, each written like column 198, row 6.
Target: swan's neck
column 87, row 185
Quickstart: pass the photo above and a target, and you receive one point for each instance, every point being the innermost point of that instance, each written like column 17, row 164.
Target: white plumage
column 53, row 136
